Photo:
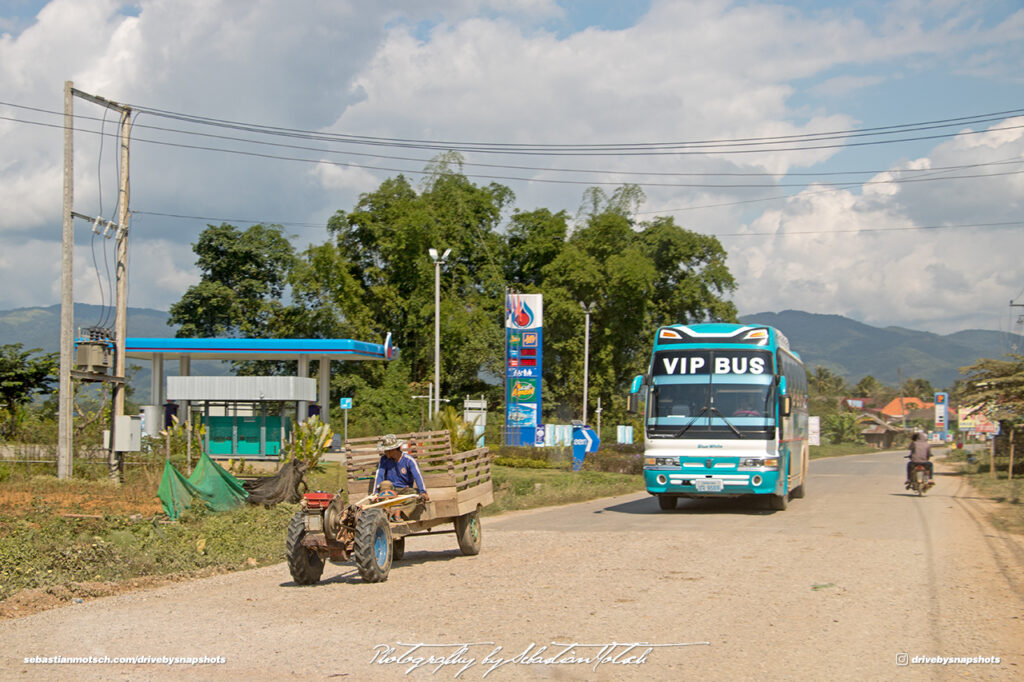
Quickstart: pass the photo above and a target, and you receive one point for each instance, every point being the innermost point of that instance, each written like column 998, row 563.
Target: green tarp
column 218, row 489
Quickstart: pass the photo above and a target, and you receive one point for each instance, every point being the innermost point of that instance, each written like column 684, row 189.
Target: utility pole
column 903, row 408
column 587, row 309
column 66, row 401
column 121, row 312
column 438, row 260
column 1013, row 342
column 67, row 303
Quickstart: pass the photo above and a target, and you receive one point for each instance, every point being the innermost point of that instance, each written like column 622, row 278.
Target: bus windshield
column 705, row 409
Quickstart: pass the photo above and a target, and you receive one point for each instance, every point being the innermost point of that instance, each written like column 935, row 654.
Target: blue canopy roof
column 259, row 349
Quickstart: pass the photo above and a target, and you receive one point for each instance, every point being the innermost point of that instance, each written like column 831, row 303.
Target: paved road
column 840, row 586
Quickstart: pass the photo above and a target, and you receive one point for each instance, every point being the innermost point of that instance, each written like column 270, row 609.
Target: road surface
column 850, row 582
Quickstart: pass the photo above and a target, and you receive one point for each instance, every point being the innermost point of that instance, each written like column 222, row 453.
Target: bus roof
column 722, row 333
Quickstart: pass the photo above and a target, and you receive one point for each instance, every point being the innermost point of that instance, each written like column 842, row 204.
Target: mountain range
column 847, row 347
column 854, row 350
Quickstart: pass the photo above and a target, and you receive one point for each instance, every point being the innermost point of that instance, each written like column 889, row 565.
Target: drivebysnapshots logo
column 907, row 659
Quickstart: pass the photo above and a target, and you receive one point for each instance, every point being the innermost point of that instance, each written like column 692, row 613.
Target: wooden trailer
column 353, row 524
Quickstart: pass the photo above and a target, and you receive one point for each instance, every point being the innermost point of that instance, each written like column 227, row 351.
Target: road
column 839, row 586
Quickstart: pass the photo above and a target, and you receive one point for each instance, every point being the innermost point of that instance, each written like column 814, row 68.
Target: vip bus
column 726, row 414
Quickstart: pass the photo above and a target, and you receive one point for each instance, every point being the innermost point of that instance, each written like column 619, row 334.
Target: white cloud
column 859, row 254
column 465, row 70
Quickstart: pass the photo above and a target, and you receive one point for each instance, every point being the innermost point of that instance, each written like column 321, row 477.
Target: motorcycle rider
column 920, row 453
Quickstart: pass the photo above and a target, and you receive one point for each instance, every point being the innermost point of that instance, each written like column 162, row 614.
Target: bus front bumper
column 707, row 483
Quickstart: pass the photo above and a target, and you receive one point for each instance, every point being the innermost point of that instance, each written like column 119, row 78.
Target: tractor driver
column 397, row 470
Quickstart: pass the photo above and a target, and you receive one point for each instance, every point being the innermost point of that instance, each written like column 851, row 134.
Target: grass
column 830, row 450
column 517, row 488
column 1008, row 514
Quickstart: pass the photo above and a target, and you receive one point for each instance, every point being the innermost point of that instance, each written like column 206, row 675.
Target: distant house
column 902, row 407
column 877, row 433
column 857, row 404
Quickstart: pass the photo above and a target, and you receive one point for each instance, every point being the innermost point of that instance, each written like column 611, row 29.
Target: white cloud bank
column 462, row 70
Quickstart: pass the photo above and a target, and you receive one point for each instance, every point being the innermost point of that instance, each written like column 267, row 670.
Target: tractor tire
column 305, row 565
column 469, row 533
column 667, row 502
column 398, row 549
column 373, row 551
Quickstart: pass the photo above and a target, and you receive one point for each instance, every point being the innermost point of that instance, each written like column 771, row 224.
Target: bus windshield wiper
column 727, row 422
column 692, row 420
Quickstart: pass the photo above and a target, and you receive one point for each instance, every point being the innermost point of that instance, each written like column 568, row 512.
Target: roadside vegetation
column 86, row 536
column 1006, row 492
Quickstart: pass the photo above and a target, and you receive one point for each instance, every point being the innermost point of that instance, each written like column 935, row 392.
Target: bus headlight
column 758, row 463
column 661, row 461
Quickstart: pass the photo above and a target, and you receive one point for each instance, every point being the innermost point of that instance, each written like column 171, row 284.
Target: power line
column 248, row 221
column 705, row 185
column 617, row 148
column 180, row 216
column 556, row 181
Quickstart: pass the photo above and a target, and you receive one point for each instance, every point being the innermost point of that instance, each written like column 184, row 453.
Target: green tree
column 826, row 383
column 997, row 386
column 22, row 376
column 919, row 388
column 244, row 274
column 389, row 276
column 841, row 428
column 640, row 276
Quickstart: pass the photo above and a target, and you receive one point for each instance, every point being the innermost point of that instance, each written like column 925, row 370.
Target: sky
column 904, row 207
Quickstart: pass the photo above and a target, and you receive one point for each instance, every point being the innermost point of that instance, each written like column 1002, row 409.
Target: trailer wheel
column 373, row 549
column 305, row 565
column 397, row 549
column 667, row 502
column 469, row 533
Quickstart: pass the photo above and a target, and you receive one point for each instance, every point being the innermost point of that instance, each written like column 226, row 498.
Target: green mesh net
column 218, row 489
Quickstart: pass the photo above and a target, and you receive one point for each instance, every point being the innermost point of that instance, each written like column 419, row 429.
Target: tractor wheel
column 469, row 533
column 305, row 565
column 398, row 549
column 373, row 546
column 667, row 502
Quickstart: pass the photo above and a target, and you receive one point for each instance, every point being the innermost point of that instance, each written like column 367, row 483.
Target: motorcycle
column 919, row 480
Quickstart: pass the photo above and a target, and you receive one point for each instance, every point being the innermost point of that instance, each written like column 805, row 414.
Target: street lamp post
column 437, row 325
column 587, row 309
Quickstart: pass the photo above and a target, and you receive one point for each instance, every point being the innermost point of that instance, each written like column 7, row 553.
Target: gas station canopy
column 257, row 349
column 302, row 351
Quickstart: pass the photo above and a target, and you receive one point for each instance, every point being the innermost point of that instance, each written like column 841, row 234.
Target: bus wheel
column 778, row 502
column 798, row 492
column 667, row 502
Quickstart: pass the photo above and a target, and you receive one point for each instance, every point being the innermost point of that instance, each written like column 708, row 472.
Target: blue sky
column 938, row 255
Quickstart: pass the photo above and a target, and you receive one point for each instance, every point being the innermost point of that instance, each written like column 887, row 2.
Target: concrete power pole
column 67, row 302
column 121, row 313
column 66, row 401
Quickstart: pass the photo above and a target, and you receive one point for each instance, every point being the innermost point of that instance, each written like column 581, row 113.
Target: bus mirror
column 639, row 381
column 633, row 403
column 782, row 385
column 785, row 405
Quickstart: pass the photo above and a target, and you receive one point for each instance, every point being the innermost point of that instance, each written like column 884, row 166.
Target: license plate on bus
column 708, row 485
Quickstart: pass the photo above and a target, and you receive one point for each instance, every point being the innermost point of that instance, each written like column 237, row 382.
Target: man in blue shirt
column 398, row 468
